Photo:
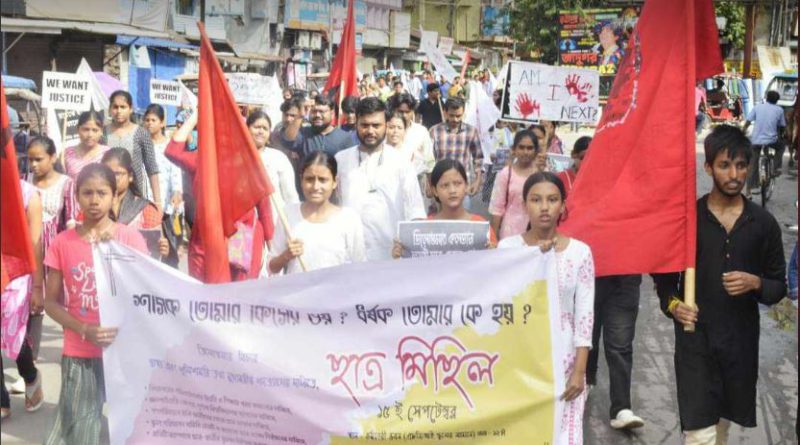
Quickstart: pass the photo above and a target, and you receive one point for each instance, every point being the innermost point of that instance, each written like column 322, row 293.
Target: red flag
column 343, row 78
column 634, row 198
column 16, row 249
column 230, row 176
column 465, row 64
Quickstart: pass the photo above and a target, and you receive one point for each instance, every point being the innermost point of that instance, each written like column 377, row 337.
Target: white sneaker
column 626, row 420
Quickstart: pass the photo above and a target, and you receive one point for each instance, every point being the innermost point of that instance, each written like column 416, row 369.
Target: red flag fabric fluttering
column 16, row 249
column 465, row 64
column 230, row 176
column 634, row 198
column 343, row 78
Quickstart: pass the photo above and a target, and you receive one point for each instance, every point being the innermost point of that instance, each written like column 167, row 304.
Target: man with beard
column 377, row 181
column 322, row 135
column 740, row 264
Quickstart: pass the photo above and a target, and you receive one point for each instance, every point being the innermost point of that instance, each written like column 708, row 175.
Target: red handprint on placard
column 581, row 92
column 527, row 106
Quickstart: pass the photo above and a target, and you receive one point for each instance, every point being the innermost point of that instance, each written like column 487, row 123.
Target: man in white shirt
column 378, row 183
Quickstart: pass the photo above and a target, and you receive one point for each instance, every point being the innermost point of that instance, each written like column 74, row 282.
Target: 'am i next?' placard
column 535, row 91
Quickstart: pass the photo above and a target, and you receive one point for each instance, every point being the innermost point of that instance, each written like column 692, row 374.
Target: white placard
column 65, row 91
column 165, row 92
column 446, row 45
column 440, row 62
column 536, row 91
column 249, row 88
column 428, row 39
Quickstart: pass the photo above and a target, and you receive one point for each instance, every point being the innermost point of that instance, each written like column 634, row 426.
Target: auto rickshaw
column 724, row 101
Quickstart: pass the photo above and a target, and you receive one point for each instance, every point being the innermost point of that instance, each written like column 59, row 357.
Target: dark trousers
column 27, row 370
column 616, row 306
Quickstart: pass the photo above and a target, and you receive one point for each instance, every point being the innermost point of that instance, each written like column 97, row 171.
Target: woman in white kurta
column 279, row 168
column 544, row 197
column 319, row 233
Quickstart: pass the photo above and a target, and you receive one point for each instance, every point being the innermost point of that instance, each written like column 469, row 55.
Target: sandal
column 34, row 398
column 5, row 412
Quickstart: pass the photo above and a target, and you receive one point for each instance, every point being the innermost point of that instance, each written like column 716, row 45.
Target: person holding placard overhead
column 122, row 132
column 323, row 234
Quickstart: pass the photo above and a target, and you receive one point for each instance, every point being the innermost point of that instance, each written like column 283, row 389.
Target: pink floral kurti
column 576, row 297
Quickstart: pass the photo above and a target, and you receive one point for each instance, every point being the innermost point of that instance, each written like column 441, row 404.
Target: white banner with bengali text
column 457, row 349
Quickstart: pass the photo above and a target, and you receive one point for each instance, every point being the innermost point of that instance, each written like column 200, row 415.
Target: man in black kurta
column 740, row 263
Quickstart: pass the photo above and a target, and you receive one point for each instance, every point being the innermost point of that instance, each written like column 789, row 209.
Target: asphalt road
column 653, row 389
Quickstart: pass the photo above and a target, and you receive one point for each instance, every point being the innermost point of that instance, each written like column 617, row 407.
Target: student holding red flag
column 234, row 212
column 17, row 252
column 634, row 201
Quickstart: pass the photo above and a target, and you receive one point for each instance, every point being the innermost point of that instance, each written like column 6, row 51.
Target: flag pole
column 689, row 294
column 286, row 228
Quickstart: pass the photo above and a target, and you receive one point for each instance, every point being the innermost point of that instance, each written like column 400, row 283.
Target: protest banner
column 439, row 61
column 596, row 39
column 535, row 91
column 350, row 354
column 65, row 91
column 429, row 38
column 446, row 45
column 251, row 88
column 165, row 92
column 557, row 163
column 430, row 238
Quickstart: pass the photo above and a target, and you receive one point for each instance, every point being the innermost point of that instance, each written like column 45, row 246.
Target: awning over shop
column 18, row 25
column 153, row 42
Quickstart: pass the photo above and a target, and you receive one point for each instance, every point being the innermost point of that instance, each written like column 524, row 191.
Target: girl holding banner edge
column 71, row 269
column 448, row 184
column 324, row 234
column 544, row 196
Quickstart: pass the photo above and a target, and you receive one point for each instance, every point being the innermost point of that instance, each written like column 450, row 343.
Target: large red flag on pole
column 343, row 78
column 634, row 198
column 16, row 249
column 230, row 176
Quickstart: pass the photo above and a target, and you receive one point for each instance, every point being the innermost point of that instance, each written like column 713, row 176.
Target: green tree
column 734, row 26
column 534, row 24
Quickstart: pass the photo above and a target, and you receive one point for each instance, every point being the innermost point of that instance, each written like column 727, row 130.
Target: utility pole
column 749, row 26
column 203, row 11
column 330, row 34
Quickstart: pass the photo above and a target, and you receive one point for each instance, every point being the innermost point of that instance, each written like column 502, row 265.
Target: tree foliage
column 734, row 28
column 534, row 24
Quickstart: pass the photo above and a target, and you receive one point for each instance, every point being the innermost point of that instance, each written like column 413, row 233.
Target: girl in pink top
column 89, row 150
column 507, row 208
column 71, row 300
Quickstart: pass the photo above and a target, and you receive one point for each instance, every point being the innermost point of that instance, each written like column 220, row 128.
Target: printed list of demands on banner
column 177, row 413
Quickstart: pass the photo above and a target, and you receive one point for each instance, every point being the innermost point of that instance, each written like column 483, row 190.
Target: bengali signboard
column 430, row 238
column 353, row 354
column 535, row 91
column 314, row 15
column 596, row 39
